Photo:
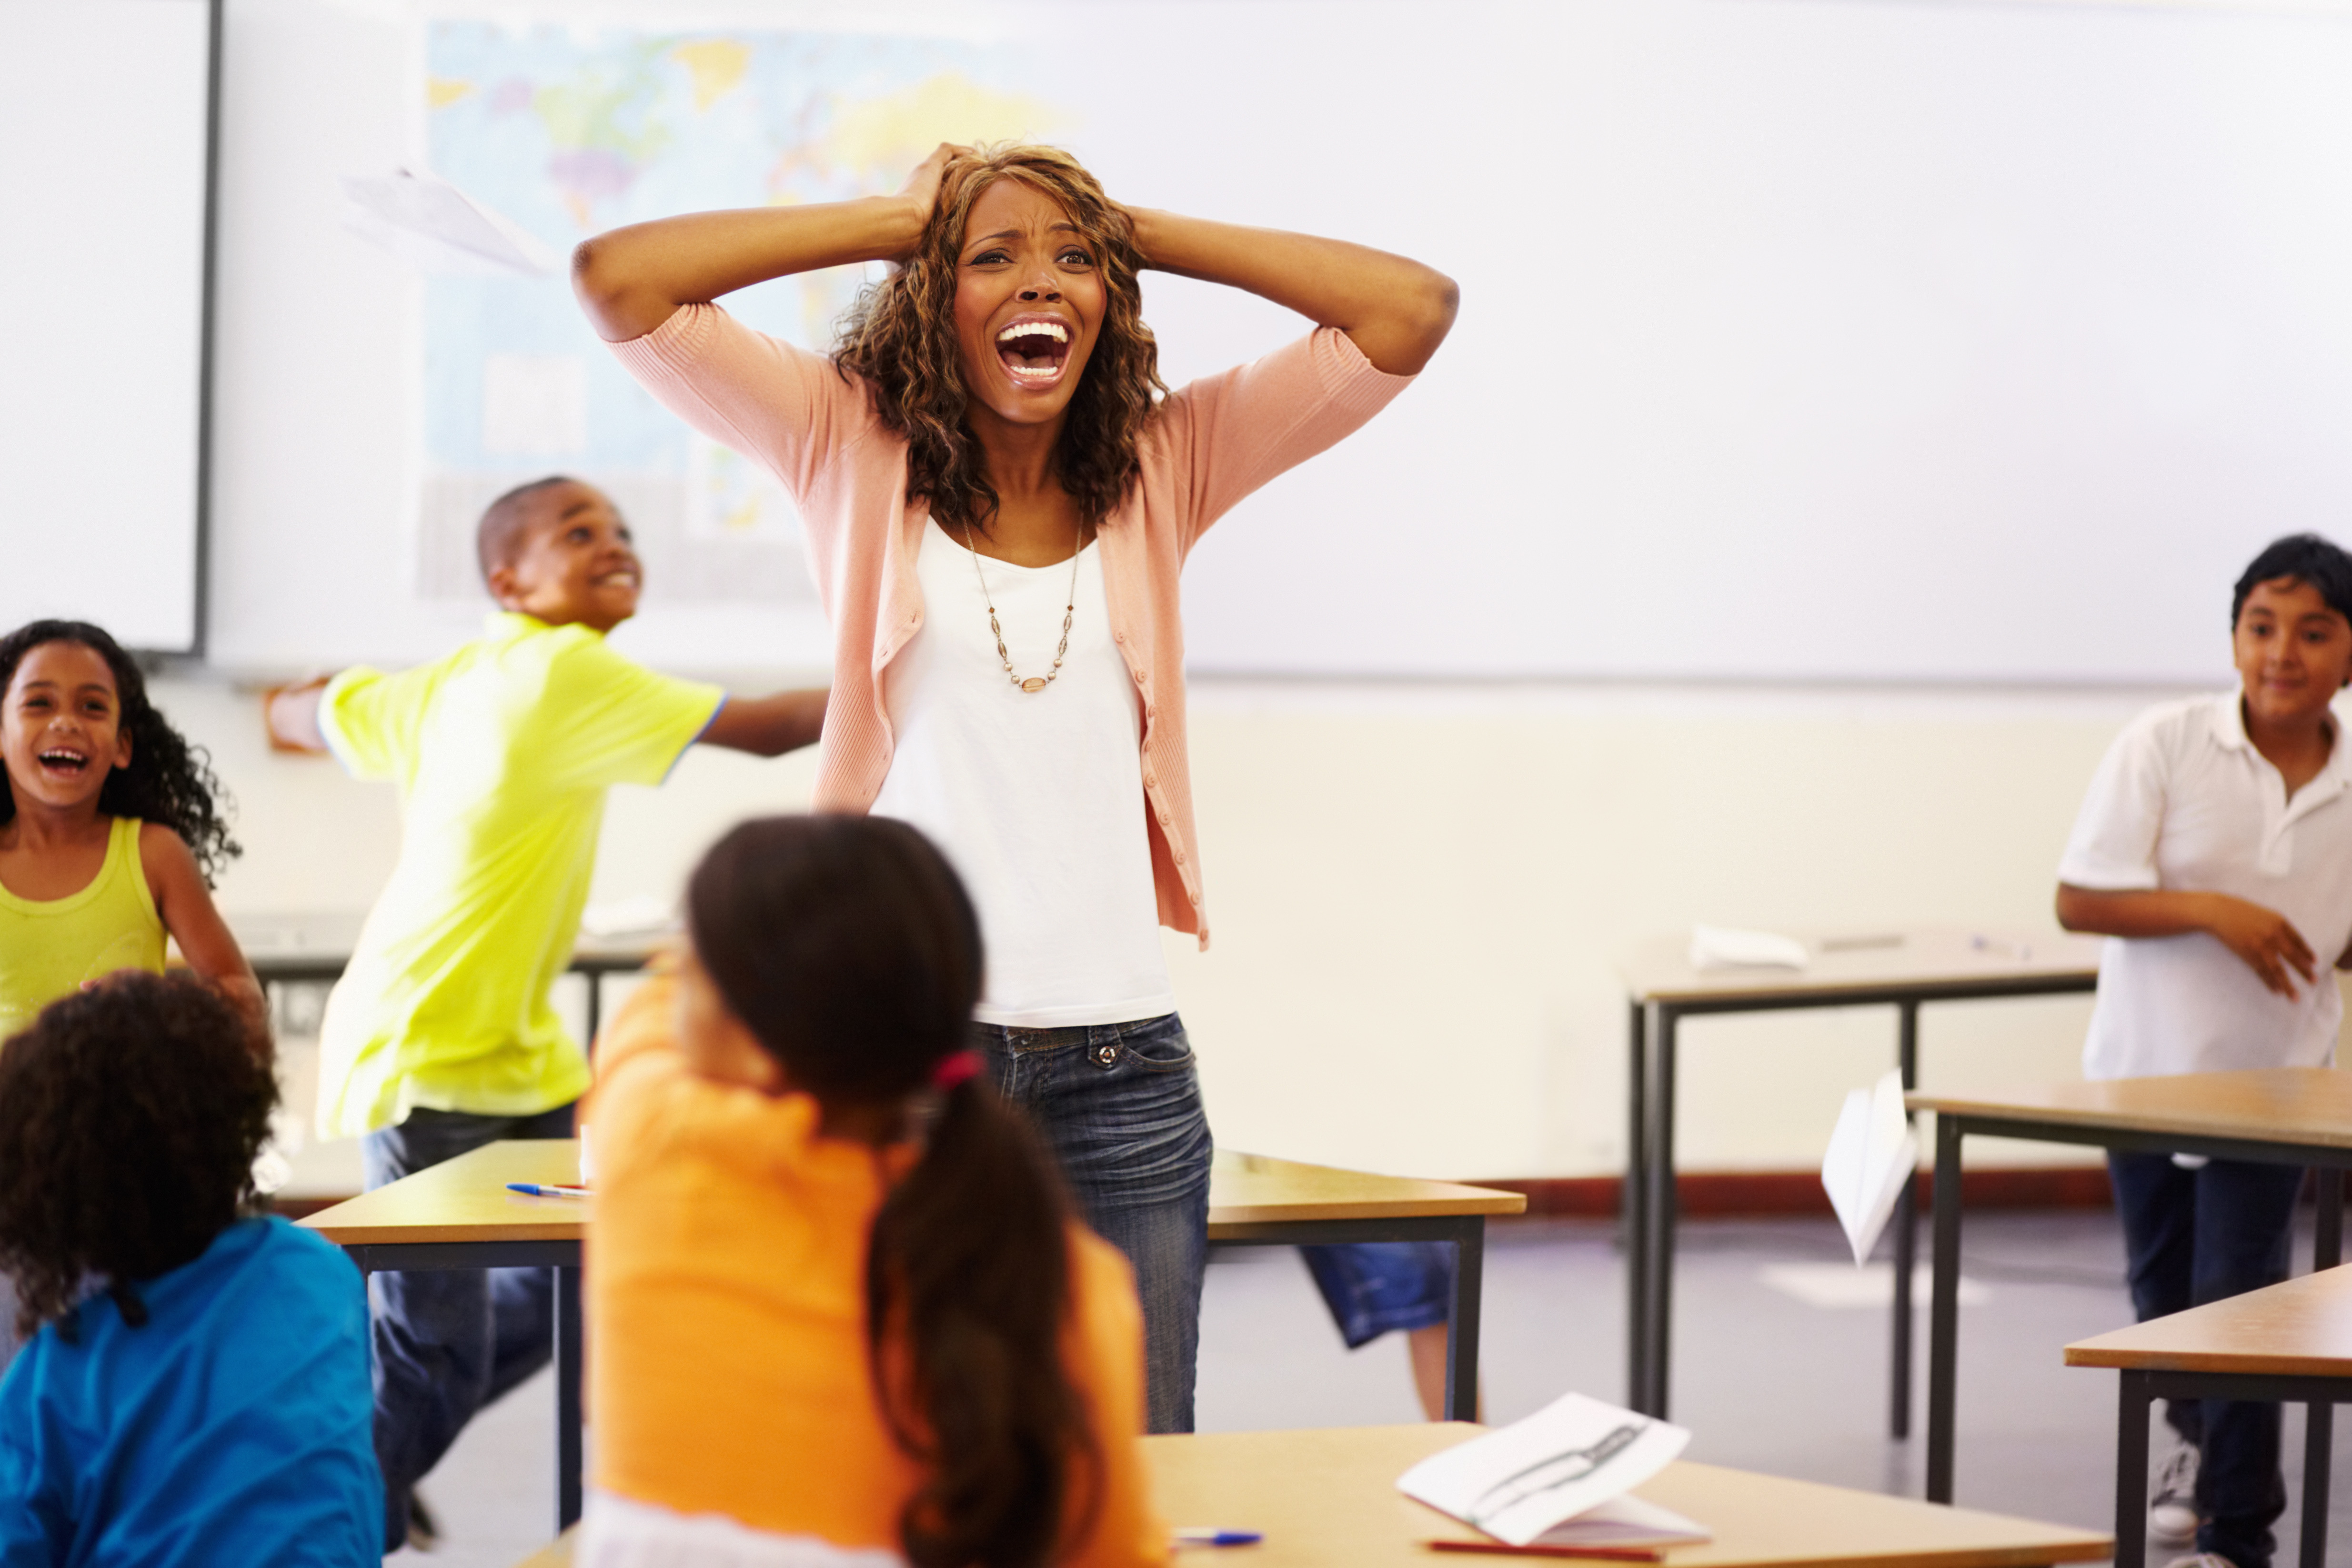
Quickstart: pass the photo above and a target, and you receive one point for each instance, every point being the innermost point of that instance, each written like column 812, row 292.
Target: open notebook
column 1561, row 1478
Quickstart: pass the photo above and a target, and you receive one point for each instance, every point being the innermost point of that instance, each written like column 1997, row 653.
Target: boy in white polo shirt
column 2216, row 842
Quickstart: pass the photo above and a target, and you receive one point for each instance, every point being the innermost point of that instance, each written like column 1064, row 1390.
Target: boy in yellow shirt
column 441, row 1037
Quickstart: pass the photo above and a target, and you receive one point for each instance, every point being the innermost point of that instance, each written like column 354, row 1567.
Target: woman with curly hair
column 196, row 1391
column 998, row 502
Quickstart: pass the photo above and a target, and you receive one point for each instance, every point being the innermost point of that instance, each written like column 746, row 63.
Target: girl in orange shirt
column 843, row 1317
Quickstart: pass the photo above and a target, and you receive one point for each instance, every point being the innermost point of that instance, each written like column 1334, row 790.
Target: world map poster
column 568, row 131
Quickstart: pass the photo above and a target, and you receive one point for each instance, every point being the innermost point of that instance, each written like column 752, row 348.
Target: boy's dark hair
column 129, row 1117
column 2307, row 558
column 169, row 782
column 850, row 950
column 500, row 529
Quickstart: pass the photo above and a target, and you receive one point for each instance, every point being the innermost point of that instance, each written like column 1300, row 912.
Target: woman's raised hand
column 1394, row 309
column 922, row 186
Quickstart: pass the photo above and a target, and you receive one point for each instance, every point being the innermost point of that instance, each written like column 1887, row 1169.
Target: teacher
column 999, row 493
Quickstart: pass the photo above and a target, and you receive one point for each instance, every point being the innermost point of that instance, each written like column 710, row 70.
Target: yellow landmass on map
column 441, row 91
column 717, row 66
column 893, row 133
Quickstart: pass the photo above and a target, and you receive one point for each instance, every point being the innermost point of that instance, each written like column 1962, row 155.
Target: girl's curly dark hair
column 129, row 1117
column 901, row 338
column 168, row 782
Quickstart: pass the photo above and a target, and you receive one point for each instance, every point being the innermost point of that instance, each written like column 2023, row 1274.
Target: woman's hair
column 2306, row 557
column 849, row 949
column 129, row 1117
column 168, row 782
column 900, row 337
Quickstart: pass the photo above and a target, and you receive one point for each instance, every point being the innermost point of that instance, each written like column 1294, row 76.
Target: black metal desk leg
column 2131, row 1472
column 1462, row 1319
column 1662, row 1213
column 1633, row 1213
column 596, row 1007
column 2318, row 1450
column 1944, row 1310
column 567, row 1398
column 1906, row 1236
column 2327, row 1240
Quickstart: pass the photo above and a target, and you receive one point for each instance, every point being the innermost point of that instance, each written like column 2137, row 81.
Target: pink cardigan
column 1208, row 445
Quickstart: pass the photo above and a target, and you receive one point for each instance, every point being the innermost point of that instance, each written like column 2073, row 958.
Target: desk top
column 1874, row 962
column 2310, row 1107
column 1258, row 1189
column 1329, row 1500
column 465, row 1199
column 316, row 942
column 2300, row 1328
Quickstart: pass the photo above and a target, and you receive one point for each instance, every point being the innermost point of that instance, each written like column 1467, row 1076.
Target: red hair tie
column 954, row 1069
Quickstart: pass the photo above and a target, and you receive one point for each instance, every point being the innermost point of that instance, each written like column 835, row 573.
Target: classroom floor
column 1766, row 1379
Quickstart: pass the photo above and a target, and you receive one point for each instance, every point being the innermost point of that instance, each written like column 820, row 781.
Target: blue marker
column 539, row 1190
column 1204, row 1537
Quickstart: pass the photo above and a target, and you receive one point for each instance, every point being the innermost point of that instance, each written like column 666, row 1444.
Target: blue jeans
column 1119, row 1107
column 447, row 1342
column 2195, row 1236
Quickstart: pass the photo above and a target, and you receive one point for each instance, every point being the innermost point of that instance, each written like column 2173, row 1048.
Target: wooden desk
column 2285, row 1116
column 1905, row 968
column 458, row 1214
column 317, row 947
column 2289, row 1343
column 1329, row 1500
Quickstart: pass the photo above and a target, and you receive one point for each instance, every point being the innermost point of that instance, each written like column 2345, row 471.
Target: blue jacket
column 237, row 1426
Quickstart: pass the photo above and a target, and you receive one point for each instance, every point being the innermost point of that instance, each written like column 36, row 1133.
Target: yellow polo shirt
column 502, row 753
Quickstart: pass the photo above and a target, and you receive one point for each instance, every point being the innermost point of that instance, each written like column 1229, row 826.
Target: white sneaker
column 2201, row 1560
column 2172, row 1516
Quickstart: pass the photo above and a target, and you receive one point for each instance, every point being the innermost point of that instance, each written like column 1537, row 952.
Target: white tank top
column 1036, row 798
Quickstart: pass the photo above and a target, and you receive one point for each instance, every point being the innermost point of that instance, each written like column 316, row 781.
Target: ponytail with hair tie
column 849, row 949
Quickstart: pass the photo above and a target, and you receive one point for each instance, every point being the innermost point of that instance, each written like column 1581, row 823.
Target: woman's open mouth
column 64, row 759
column 1034, row 350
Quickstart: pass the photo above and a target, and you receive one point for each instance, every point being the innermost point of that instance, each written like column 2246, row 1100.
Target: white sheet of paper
column 1871, row 1152
column 1625, row 1522
column 437, row 227
column 1519, row 1480
column 1720, row 947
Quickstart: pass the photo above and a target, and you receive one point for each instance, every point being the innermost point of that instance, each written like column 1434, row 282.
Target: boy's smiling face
column 573, row 562
column 61, row 726
column 2294, row 653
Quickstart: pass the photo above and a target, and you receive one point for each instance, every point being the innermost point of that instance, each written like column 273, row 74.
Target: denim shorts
column 1375, row 1287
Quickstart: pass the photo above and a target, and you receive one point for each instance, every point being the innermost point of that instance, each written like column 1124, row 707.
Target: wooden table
column 1329, row 1500
column 2288, row 1342
column 1905, row 968
column 317, row 947
column 458, row 1214
column 2283, row 1116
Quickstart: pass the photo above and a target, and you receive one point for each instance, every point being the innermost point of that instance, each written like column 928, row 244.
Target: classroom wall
column 1416, row 894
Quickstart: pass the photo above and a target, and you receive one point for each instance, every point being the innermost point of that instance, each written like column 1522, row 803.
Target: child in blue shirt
column 197, row 1392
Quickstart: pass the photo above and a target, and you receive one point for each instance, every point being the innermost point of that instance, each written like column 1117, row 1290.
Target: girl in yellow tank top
column 110, row 828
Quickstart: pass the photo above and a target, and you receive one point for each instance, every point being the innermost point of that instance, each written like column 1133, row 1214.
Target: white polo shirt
column 2183, row 801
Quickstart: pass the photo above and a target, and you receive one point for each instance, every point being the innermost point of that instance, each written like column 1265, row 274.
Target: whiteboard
column 1847, row 340
column 105, row 131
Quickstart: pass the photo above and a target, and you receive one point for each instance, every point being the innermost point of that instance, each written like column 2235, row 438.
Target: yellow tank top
column 48, row 947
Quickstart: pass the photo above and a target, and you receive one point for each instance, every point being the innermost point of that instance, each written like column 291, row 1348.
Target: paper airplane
column 437, row 227
column 1871, row 1154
